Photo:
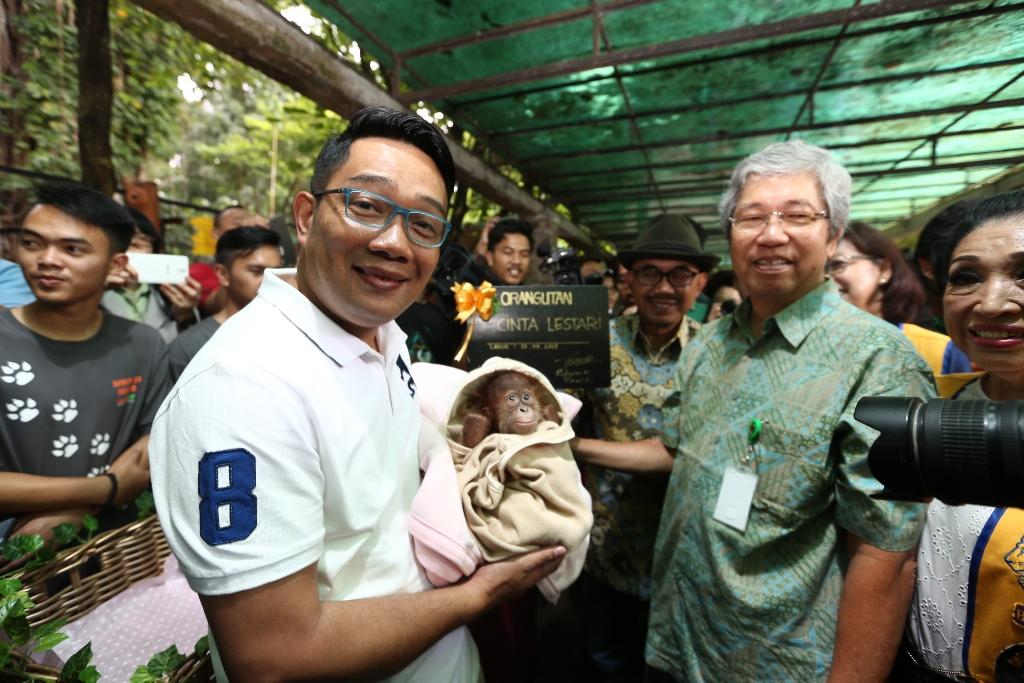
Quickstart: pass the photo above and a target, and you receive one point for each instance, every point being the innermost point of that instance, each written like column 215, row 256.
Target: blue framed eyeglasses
column 375, row 211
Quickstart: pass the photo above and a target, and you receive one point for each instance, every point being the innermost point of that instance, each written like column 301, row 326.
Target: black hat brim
column 706, row 262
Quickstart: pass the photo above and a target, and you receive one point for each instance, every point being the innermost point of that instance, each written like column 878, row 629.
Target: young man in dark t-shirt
column 78, row 387
column 242, row 256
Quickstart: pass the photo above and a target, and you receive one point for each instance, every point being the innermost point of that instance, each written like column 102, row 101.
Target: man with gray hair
column 773, row 562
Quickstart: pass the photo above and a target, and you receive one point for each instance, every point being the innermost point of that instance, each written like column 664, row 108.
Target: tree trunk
column 12, row 202
column 95, row 94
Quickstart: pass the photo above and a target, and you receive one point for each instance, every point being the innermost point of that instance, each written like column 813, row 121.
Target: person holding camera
column 723, row 293
column 967, row 616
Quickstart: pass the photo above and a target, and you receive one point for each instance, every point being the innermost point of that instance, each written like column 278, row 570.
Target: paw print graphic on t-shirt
column 21, row 410
column 65, row 446
column 97, row 471
column 100, row 444
column 14, row 372
column 65, row 410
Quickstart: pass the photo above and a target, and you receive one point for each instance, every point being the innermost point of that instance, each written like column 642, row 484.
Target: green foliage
column 23, row 640
column 147, row 54
column 48, row 636
column 78, row 668
column 44, row 96
column 209, row 142
column 235, row 166
column 19, row 546
column 13, row 601
column 145, row 505
column 64, row 533
column 159, row 666
column 91, row 526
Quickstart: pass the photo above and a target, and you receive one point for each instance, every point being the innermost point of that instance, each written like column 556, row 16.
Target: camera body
column 562, row 263
column 956, row 451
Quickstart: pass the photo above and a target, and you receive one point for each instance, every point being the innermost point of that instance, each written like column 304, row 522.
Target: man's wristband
column 112, row 496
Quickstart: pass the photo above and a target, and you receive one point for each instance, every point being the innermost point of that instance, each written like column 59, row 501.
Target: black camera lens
column 956, row 451
column 728, row 306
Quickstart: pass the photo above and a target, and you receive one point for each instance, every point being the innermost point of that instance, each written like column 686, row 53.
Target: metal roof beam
column 732, row 159
column 935, row 138
column 260, row 37
column 1011, row 179
column 991, row 10
column 520, row 27
column 853, row 167
column 601, row 37
column 901, row 170
column 739, row 135
column 600, row 217
column 648, row 208
column 879, row 10
column 808, row 102
column 760, row 97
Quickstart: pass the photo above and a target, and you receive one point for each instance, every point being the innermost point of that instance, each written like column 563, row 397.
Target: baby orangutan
column 510, row 407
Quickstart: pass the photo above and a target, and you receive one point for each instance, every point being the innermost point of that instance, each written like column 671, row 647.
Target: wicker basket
column 82, row 578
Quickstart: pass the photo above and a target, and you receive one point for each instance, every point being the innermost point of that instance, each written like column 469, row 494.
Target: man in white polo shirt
column 284, row 460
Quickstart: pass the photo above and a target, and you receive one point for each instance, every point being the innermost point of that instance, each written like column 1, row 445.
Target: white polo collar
column 330, row 337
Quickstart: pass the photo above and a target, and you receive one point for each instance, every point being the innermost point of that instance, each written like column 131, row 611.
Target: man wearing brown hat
column 666, row 271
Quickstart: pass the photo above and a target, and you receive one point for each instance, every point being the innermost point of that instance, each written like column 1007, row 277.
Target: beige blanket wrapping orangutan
column 520, row 485
column 519, row 492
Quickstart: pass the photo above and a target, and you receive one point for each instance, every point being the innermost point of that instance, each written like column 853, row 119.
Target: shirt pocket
column 794, row 479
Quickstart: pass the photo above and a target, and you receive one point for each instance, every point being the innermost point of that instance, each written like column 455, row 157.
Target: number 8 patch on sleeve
column 227, row 506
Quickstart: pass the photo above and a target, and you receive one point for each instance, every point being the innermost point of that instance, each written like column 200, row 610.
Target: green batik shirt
column 637, row 405
column 761, row 605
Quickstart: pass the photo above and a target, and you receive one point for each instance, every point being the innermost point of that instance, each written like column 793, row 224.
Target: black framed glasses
column 375, row 211
column 649, row 276
column 758, row 221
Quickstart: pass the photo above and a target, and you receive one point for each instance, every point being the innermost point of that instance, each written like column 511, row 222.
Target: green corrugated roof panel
column 726, row 79
column 675, row 19
column 540, row 46
column 577, row 139
column 576, row 184
column 884, row 90
column 596, row 164
column 406, row 26
column 594, row 101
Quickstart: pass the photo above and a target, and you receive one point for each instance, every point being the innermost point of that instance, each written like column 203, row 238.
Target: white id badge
column 733, row 506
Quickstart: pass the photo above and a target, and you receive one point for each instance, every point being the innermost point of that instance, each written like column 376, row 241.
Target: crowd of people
column 737, row 532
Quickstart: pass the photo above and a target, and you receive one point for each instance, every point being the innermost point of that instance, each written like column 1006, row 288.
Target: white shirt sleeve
column 237, row 479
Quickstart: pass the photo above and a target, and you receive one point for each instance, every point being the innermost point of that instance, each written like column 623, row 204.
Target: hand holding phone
column 159, row 269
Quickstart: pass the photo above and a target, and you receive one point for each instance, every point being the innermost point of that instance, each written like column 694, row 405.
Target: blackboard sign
column 560, row 331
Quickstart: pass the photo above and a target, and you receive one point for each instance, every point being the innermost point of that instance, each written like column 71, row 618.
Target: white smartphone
column 158, row 269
